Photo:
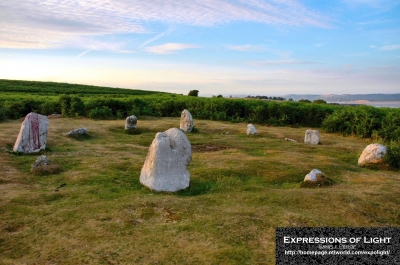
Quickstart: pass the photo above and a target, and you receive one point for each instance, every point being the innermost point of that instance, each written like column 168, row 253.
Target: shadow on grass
column 122, row 130
column 82, row 137
column 319, row 183
column 197, row 187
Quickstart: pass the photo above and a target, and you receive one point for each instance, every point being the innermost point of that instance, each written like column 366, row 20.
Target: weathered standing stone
column 312, row 137
column 251, row 129
column 314, row 175
column 40, row 161
column 165, row 166
column 42, row 166
column 79, row 131
column 372, row 155
column 33, row 134
column 130, row 122
column 186, row 124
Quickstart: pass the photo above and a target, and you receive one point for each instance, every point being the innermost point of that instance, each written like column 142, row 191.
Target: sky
column 219, row 47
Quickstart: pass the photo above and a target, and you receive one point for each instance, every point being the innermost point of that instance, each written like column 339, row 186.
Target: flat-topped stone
column 312, row 137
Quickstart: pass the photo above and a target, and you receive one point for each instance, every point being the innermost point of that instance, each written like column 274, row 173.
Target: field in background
column 242, row 188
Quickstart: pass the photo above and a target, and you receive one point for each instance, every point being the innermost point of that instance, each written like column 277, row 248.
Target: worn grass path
column 242, row 188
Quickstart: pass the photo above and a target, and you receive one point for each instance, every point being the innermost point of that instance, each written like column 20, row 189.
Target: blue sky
column 228, row 47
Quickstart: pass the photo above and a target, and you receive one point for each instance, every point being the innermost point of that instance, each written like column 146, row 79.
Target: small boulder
column 42, row 166
column 76, row 132
column 130, row 122
column 32, row 136
column 316, row 179
column 372, row 155
column 40, row 161
column 186, row 124
column 165, row 167
column 314, row 175
column 251, row 130
column 312, row 137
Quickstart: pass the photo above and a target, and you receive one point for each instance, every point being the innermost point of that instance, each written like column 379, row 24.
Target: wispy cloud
column 377, row 22
column 247, row 48
column 386, row 47
column 260, row 48
column 390, row 47
column 371, row 3
column 156, row 37
column 169, row 48
column 281, row 62
column 357, row 54
column 43, row 24
column 83, row 53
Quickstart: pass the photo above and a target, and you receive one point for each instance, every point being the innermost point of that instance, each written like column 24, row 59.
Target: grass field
column 242, row 187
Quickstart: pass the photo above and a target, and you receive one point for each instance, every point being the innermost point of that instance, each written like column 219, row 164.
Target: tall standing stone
column 186, row 124
column 251, row 129
column 130, row 122
column 312, row 137
column 165, row 166
column 32, row 136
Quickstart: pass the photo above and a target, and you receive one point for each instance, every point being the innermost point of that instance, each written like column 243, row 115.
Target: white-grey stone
column 186, row 124
column 291, row 140
column 165, row 166
column 40, row 161
column 251, row 129
column 79, row 131
column 314, row 175
column 312, row 137
column 372, row 154
column 32, row 136
column 130, row 122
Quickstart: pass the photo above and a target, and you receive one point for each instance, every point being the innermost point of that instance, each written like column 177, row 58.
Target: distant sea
column 389, row 104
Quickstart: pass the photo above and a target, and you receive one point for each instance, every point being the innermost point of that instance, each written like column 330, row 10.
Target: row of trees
column 266, row 97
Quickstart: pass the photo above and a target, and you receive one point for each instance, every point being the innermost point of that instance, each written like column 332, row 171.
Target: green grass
column 96, row 211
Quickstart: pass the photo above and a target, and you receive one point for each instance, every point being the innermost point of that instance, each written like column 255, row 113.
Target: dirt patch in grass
column 47, row 170
column 208, row 147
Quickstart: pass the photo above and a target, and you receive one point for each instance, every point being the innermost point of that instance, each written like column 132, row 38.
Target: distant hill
column 346, row 97
column 54, row 88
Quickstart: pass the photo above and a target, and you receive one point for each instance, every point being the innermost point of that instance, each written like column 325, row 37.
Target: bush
column 50, row 107
column 101, row 113
column 193, row 93
column 390, row 128
column 20, row 108
column 3, row 116
column 360, row 121
column 71, row 106
column 392, row 156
